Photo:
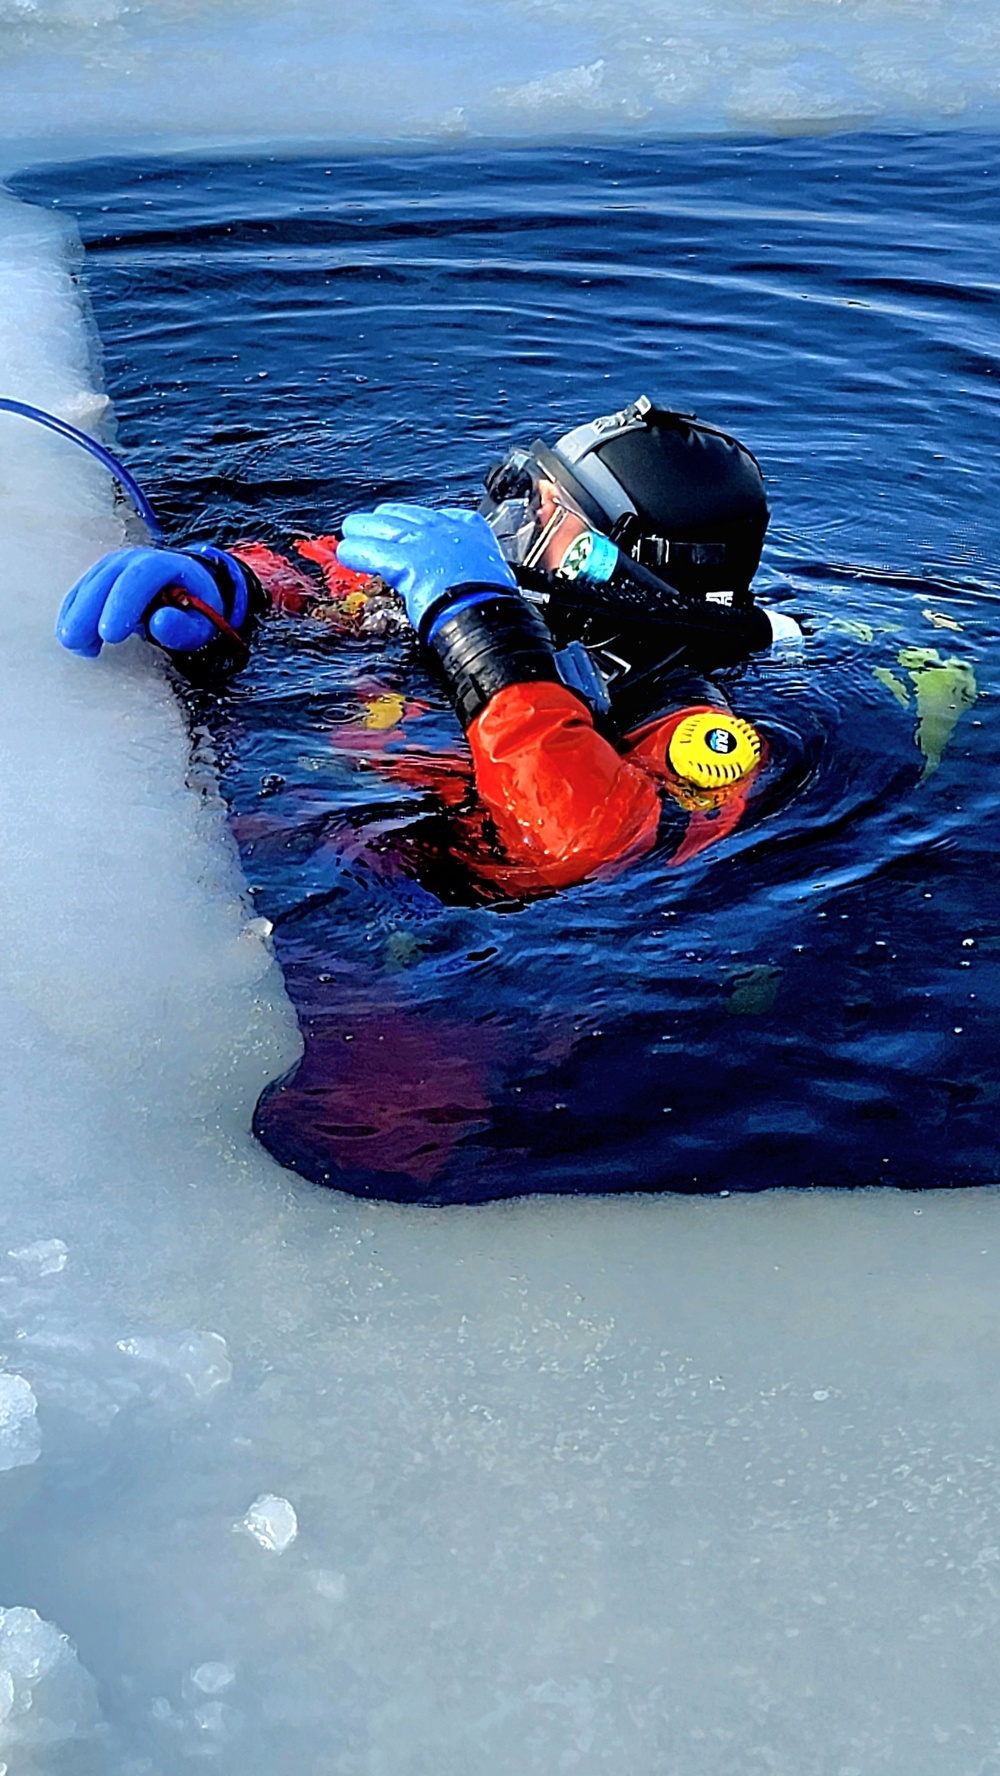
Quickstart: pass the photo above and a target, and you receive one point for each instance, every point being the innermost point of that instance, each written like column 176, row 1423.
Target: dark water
column 814, row 1001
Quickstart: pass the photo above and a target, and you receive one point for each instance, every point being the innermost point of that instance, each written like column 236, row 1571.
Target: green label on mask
column 590, row 556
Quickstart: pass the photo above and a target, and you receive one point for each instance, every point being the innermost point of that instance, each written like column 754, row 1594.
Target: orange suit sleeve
column 562, row 799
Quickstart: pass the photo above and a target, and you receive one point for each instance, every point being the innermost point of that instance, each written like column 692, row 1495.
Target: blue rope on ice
column 109, row 460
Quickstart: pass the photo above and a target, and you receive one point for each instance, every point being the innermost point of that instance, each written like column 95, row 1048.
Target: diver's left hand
column 423, row 553
column 111, row 600
column 120, row 596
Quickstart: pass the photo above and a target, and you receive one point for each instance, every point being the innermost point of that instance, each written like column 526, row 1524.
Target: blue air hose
column 103, row 456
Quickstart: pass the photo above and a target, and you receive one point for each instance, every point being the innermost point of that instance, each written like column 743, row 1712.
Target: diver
column 575, row 618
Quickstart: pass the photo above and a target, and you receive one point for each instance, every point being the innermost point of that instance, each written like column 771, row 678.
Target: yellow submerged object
column 383, row 712
column 712, row 748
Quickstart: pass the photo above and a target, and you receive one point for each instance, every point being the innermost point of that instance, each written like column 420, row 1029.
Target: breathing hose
column 104, row 456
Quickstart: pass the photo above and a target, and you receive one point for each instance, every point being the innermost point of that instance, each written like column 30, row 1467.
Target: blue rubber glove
column 110, row 601
column 423, row 553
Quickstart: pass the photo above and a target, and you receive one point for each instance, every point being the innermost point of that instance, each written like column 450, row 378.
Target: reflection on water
column 815, row 999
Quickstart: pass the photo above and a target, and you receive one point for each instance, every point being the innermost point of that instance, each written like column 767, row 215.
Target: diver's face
column 560, row 527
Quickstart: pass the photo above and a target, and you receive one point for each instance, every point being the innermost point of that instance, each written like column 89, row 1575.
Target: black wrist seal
column 487, row 644
column 228, row 649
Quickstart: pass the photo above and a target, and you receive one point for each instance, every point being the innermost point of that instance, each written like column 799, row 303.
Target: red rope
column 181, row 600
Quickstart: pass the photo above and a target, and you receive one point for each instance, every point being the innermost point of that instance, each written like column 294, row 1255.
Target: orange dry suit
column 555, row 799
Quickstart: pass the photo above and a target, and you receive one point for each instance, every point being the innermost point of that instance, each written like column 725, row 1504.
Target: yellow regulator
column 713, row 748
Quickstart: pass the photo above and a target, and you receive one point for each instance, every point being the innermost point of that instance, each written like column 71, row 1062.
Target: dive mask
column 538, row 524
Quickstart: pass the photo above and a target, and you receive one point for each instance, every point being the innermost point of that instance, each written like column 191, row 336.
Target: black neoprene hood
column 653, row 478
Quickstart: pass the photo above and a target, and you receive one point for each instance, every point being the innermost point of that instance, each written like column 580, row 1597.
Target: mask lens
column 531, row 516
column 513, row 524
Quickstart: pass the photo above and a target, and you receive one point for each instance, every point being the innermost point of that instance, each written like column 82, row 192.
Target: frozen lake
column 85, row 76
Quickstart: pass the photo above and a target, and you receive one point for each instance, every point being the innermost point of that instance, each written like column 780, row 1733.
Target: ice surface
column 654, row 1486
column 92, row 76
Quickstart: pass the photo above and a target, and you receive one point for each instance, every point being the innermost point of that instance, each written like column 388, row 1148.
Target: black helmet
column 681, row 497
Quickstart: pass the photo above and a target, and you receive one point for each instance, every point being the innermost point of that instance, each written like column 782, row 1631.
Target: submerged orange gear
column 291, row 590
column 288, row 588
column 340, row 581
column 564, row 804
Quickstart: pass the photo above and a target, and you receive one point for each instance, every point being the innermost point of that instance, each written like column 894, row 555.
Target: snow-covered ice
column 100, row 76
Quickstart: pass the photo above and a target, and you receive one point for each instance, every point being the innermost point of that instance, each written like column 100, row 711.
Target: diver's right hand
column 111, row 600
column 423, row 553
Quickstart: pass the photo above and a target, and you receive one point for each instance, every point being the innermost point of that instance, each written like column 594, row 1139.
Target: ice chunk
column 46, row 1696
column 86, row 407
column 42, row 1258
column 213, row 1676
column 20, row 1437
column 199, row 1358
column 216, row 1718
column 272, row 1522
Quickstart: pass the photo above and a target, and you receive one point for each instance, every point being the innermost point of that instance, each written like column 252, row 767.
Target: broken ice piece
column 84, row 407
column 46, row 1696
column 260, row 928
column 42, row 1258
column 20, row 1437
column 213, row 1676
column 272, row 1522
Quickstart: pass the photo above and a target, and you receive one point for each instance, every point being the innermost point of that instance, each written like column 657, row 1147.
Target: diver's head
column 681, row 497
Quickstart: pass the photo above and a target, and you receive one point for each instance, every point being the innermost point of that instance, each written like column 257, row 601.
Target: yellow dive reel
column 713, row 749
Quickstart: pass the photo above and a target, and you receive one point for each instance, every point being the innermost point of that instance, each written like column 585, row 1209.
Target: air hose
column 171, row 595
column 104, row 456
